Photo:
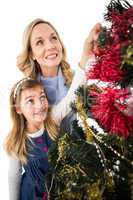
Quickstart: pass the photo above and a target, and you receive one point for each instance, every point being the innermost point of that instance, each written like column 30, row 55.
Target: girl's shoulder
column 48, row 139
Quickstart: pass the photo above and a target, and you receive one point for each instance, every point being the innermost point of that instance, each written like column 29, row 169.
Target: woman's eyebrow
column 53, row 33
column 38, row 38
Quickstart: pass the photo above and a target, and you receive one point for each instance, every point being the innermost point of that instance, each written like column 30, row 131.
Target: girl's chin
column 38, row 124
column 40, row 119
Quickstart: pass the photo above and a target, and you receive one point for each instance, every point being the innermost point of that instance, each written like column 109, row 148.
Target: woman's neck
column 50, row 71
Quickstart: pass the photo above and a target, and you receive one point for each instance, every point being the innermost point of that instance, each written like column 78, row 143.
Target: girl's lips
column 41, row 112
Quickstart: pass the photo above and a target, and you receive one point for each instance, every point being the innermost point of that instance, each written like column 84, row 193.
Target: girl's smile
column 34, row 106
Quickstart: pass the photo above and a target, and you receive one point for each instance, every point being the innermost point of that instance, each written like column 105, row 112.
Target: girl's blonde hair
column 16, row 140
column 30, row 67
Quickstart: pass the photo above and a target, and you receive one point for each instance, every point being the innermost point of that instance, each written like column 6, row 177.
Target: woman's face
column 45, row 45
column 34, row 106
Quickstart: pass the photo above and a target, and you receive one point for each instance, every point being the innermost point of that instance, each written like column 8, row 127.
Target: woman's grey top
column 55, row 87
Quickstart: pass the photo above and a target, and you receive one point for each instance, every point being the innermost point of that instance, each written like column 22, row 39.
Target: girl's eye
column 43, row 97
column 30, row 101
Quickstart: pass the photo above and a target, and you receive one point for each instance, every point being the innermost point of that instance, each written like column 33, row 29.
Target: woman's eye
column 39, row 42
column 54, row 38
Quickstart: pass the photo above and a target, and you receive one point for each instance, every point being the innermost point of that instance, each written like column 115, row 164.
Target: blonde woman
column 43, row 57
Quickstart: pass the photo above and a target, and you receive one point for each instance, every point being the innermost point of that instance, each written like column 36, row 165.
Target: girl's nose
column 39, row 104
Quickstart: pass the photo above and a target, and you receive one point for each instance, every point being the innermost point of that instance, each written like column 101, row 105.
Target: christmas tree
column 95, row 162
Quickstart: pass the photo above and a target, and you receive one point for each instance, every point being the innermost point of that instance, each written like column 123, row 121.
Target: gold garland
column 83, row 116
column 94, row 190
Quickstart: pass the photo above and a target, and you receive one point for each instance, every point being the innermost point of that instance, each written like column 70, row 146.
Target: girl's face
column 34, row 106
column 45, row 45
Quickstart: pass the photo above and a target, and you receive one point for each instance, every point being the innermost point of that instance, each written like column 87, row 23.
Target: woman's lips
column 52, row 56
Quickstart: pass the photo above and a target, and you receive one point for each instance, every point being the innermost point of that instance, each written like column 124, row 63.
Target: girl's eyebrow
column 42, row 93
column 31, row 96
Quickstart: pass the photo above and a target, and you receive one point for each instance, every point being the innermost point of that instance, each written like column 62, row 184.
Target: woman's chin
column 53, row 62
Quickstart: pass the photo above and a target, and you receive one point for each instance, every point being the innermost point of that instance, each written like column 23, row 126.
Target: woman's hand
column 90, row 45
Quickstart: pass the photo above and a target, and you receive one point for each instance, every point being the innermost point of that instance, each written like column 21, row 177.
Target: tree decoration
column 95, row 162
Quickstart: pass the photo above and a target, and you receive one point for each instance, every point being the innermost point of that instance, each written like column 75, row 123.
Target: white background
column 73, row 19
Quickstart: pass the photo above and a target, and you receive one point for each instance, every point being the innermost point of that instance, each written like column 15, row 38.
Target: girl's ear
column 18, row 109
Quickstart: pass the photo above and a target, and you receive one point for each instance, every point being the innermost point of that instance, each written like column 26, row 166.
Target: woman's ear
column 18, row 109
column 32, row 56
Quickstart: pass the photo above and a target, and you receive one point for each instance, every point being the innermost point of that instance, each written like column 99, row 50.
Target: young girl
column 34, row 127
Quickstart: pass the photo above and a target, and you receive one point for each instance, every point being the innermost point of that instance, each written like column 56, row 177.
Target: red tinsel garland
column 108, row 66
column 108, row 111
column 121, row 25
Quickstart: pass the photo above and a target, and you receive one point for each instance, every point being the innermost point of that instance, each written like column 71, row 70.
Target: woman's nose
column 49, row 44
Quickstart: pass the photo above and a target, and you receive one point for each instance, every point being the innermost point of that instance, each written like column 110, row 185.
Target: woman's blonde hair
column 30, row 67
column 16, row 144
